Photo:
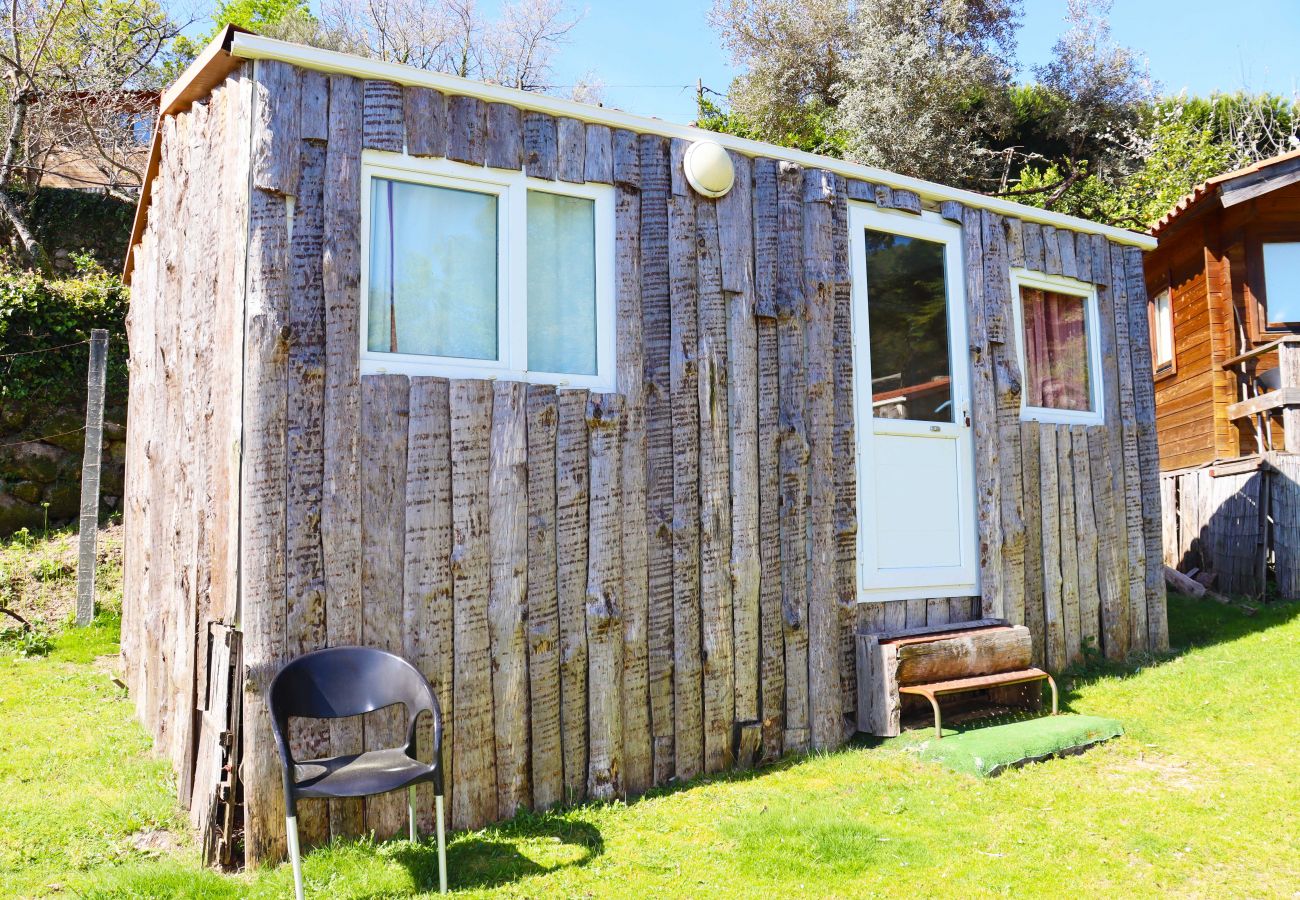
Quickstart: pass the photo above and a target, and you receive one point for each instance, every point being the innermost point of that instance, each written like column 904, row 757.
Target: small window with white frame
column 470, row 272
column 1162, row 330
column 1059, row 347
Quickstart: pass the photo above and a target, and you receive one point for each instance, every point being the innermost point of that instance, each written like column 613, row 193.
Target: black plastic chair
column 349, row 681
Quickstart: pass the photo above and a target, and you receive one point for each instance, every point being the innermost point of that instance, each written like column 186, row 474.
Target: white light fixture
column 708, row 168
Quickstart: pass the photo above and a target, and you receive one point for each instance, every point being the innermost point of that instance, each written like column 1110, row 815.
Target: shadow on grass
column 495, row 857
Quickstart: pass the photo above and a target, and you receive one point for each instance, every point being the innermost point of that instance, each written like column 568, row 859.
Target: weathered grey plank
column 314, row 122
column 571, row 141
column 425, row 112
column 1124, row 344
column 603, row 601
column 1086, row 536
column 736, row 237
column 505, row 137
column 571, row 492
column 1032, row 235
column 1114, row 608
column 598, row 158
column 382, row 117
column 624, row 168
column 1112, row 581
column 541, row 158
column 426, row 592
column 825, row 697
column 543, row 602
column 1051, row 251
column 716, row 612
column 1065, row 246
column 384, row 424
column 1015, row 242
column 791, row 315
column 1029, row 439
column 277, row 99
column 507, row 598
column 466, row 129
column 684, row 373
column 341, row 492
column 473, row 791
column 656, row 337
column 1053, row 603
column 1069, row 546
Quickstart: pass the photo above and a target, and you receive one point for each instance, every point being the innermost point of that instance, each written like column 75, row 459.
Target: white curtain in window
column 433, row 271
column 561, row 284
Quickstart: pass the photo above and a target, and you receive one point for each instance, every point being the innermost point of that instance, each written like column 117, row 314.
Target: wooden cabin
column 1224, row 283
column 618, row 429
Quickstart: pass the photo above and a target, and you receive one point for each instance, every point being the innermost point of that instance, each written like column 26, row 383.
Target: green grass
column 1197, row 799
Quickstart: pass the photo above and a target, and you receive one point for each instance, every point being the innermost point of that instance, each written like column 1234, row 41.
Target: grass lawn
column 1198, row 799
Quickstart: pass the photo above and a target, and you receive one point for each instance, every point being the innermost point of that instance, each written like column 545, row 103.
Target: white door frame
column 912, row 583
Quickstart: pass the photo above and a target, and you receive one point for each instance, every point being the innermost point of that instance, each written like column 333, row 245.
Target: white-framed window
column 468, row 272
column 1056, row 325
column 1162, row 329
column 1282, row 281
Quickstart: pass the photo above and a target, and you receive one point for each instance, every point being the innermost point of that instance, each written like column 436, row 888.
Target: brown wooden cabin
column 1225, row 318
column 493, row 380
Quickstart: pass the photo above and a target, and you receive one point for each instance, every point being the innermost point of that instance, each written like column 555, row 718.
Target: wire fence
column 8, row 369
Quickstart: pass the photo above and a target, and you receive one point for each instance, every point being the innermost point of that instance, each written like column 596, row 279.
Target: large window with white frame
column 1058, row 340
column 470, row 272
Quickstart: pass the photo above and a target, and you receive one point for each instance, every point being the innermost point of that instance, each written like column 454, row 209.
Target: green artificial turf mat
column 992, row 749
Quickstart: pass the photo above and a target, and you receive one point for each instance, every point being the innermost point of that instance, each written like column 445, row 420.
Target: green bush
column 40, row 314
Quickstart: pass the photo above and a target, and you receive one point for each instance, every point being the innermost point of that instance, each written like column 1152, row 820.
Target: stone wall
column 34, row 473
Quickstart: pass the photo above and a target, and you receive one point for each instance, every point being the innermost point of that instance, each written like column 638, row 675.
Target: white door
column 916, row 510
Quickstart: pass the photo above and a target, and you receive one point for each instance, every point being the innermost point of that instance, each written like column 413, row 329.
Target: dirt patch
column 155, row 842
column 1169, row 771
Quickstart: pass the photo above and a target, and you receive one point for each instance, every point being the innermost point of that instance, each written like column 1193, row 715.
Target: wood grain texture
column 466, row 130
column 305, row 582
column 656, row 339
column 277, row 96
column 845, row 452
column 1086, row 536
column 603, row 600
column 474, row 789
column 382, row 116
column 384, row 424
column 341, row 492
column 427, row 585
column 1053, row 598
column 772, row 623
column 716, row 614
column 684, row 376
column 791, row 349
column 543, row 601
column 1111, row 521
column 1029, row 441
column 825, row 697
column 984, row 419
column 262, row 514
column 571, row 141
column 1124, row 345
column 507, row 598
column 623, row 166
column 505, row 137
column 571, row 493
column 1032, row 236
column 541, row 158
column 736, row 238
column 425, row 113
column 1069, row 544
column 598, row 156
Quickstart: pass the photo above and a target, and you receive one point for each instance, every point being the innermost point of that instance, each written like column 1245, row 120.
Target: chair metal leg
column 1052, row 683
column 442, row 845
column 410, row 808
column 295, row 854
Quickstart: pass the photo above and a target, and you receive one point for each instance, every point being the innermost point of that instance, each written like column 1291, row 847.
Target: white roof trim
column 252, row 46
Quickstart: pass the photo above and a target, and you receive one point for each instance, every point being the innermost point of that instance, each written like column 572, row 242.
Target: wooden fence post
column 89, row 523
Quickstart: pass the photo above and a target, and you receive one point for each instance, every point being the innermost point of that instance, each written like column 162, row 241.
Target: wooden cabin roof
column 1232, row 188
column 233, row 45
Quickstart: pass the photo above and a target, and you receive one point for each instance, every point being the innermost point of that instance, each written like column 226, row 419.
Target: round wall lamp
column 708, row 168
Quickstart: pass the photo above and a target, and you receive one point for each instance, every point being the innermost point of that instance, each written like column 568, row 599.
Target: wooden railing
column 1285, row 397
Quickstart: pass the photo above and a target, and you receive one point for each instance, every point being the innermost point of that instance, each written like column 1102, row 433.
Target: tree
column 67, row 72
column 927, row 85
column 795, row 53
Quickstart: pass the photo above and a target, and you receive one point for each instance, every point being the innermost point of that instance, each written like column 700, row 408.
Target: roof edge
column 195, row 83
column 252, row 46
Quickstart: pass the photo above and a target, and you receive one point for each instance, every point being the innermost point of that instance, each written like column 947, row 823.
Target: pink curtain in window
column 1056, row 350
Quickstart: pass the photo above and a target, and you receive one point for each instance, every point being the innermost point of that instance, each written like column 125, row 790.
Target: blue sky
column 650, row 52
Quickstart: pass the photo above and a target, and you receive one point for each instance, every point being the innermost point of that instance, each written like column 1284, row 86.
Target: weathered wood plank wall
column 607, row 591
